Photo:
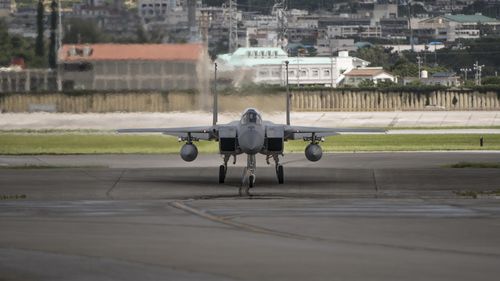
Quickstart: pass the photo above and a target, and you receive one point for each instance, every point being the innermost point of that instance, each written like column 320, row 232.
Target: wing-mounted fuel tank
column 228, row 141
column 313, row 152
column 189, row 152
column 274, row 139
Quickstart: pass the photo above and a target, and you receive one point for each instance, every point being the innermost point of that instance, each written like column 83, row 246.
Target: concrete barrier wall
column 336, row 100
column 390, row 101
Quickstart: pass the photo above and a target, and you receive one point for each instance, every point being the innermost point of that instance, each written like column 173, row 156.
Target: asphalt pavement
column 351, row 216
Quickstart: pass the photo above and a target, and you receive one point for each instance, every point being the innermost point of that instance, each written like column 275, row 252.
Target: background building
column 134, row 66
column 267, row 66
column 452, row 27
column 5, row 8
column 374, row 74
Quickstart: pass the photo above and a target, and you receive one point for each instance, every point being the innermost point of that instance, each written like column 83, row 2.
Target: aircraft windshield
column 250, row 117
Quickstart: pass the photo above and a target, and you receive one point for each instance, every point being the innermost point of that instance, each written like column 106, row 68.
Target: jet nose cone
column 251, row 142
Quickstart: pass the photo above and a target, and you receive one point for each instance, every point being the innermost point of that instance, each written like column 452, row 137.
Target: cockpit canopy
column 251, row 116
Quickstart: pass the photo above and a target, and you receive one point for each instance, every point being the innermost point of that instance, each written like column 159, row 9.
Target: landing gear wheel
column 251, row 181
column 222, row 173
column 280, row 174
column 244, row 191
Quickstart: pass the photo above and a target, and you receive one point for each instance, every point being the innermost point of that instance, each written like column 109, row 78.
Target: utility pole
column 59, row 27
column 215, row 105
column 233, row 26
column 287, row 95
column 419, row 62
column 409, row 26
column 478, row 68
column 280, row 9
column 465, row 70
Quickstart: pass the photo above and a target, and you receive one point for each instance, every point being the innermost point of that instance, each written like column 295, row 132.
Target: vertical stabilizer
column 215, row 105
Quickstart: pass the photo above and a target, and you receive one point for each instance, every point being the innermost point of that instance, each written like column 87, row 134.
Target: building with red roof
column 133, row 66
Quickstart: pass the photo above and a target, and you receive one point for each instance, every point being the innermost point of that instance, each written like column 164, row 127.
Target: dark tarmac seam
column 108, row 192
column 266, row 231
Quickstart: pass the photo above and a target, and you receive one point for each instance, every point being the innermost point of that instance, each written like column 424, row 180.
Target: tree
column 312, row 52
column 83, row 31
column 53, row 27
column 367, row 83
column 5, row 45
column 491, row 80
column 39, row 47
column 376, row 55
column 405, row 68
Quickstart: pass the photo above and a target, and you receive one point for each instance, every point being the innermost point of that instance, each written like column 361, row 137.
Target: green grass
column 403, row 143
column 77, row 143
column 34, row 166
column 475, row 165
column 474, row 194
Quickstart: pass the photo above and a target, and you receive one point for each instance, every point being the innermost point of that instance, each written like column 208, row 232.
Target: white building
column 375, row 74
column 268, row 66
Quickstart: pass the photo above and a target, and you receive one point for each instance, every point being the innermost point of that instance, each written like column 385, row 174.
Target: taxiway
column 366, row 216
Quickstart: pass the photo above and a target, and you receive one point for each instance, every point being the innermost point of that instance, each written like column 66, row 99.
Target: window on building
column 303, row 73
column 315, row 73
column 275, row 73
column 291, row 73
column 326, row 72
column 263, row 73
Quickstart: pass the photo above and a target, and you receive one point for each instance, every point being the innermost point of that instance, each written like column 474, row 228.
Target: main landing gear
column 279, row 168
column 223, row 168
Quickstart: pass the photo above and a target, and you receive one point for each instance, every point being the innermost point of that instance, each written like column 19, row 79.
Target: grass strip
column 34, row 166
column 475, row 194
column 19, row 144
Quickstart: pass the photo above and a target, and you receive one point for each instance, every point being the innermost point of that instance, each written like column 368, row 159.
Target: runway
column 367, row 216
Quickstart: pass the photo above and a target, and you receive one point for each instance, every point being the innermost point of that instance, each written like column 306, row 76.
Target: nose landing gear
column 248, row 178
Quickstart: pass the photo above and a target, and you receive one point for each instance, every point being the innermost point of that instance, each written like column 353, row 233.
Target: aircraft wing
column 201, row 132
column 299, row 132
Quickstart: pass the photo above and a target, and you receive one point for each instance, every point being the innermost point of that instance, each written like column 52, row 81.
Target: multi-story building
column 394, row 27
column 6, row 8
column 349, row 31
column 133, row 66
column 329, row 46
column 155, row 8
column 452, row 27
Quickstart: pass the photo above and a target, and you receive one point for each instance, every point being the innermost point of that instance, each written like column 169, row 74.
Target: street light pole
column 478, row 68
column 287, row 95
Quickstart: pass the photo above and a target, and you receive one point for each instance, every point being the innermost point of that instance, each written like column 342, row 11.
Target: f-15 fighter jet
column 251, row 136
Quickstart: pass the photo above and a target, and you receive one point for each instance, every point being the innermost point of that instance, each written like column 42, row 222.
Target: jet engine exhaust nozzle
column 189, row 152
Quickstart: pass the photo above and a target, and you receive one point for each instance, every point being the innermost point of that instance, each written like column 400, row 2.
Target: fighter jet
column 251, row 136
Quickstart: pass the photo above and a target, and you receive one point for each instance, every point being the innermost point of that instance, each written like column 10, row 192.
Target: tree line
column 36, row 53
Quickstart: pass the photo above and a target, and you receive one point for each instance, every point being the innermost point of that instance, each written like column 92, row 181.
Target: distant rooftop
column 369, row 71
column 443, row 74
column 469, row 18
column 96, row 52
column 249, row 57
